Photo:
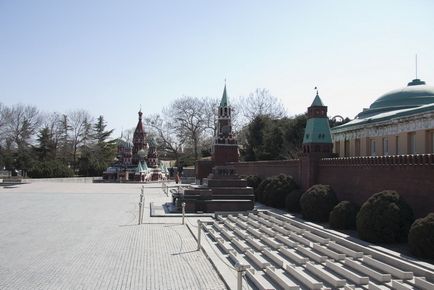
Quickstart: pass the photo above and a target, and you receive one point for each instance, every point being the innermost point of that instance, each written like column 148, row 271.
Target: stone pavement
column 85, row 236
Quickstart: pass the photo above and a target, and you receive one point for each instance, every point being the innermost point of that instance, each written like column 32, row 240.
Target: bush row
column 384, row 218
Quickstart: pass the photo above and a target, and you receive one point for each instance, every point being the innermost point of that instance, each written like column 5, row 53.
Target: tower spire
column 416, row 64
column 224, row 101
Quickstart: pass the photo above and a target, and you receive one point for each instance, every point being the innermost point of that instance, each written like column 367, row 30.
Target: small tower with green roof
column 317, row 138
column 317, row 142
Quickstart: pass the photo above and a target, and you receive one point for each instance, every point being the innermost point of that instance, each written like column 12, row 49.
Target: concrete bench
column 255, row 244
column 312, row 255
column 254, row 232
column 387, row 268
column 300, row 239
column 325, row 275
column 399, row 285
column 281, row 230
column 299, row 274
column 328, row 252
column 373, row 286
column 315, row 238
column 242, row 217
column 258, row 280
column 345, row 250
column 253, row 223
column 279, row 278
column 273, row 244
column 293, row 256
column 242, row 224
column 286, row 241
column 228, row 235
column 224, row 246
column 347, row 274
column 368, row 271
column 215, row 235
column 423, row 284
column 293, row 228
column 242, row 234
column 267, row 230
column 264, row 221
column 230, row 225
column 238, row 259
column 232, row 218
column 241, row 245
column 257, row 259
column 273, row 256
column 270, row 218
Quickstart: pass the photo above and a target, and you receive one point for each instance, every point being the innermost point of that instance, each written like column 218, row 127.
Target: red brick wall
column 357, row 178
column 269, row 168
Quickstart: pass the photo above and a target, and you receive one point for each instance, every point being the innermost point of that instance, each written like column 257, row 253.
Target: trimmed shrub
column 421, row 237
column 292, row 201
column 50, row 169
column 277, row 189
column 385, row 218
column 254, row 181
column 343, row 216
column 317, row 202
column 261, row 189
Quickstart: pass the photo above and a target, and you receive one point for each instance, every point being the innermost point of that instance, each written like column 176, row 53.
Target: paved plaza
column 85, row 236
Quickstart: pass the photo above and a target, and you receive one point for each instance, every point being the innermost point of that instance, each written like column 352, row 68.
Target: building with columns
column 397, row 123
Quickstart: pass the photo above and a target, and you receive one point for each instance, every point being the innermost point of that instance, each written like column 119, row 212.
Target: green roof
column 415, row 94
column 152, row 142
column 317, row 131
column 224, row 102
column 317, row 102
column 385, row 116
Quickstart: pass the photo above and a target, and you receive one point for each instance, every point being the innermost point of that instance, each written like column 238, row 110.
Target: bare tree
column 191, row 118
column 4, row 116
column 22, row 123
column 166, row 134
column 261, row 103
column 80, row 124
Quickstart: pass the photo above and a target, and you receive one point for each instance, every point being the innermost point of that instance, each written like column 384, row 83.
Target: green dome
column 415, row 94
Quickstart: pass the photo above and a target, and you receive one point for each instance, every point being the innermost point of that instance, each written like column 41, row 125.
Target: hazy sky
column 111, row 57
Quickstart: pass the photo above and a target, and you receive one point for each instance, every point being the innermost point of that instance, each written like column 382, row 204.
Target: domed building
column 398, row 122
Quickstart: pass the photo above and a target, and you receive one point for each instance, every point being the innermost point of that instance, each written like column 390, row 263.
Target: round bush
column 421, row 237
column 385, row 218
column 254, row 181
column 343, row 216
column 317, row 202
column 260, row 191
column 292, row 201
column 277, row 189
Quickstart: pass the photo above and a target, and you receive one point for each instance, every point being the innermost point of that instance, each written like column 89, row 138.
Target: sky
column 112, row 58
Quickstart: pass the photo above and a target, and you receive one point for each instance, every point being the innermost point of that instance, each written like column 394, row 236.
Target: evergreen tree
column 46, row 150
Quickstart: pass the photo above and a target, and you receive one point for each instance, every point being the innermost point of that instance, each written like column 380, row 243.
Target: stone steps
column 284, row 253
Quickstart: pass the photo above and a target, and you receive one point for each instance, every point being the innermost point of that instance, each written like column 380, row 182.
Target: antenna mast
column 416, row 65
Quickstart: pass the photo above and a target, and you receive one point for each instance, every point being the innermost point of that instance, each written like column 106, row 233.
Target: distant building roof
column 415, row 94
column 413, row 99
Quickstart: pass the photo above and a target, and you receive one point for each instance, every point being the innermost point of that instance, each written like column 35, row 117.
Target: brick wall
column 269, row 168
column 357, row 178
